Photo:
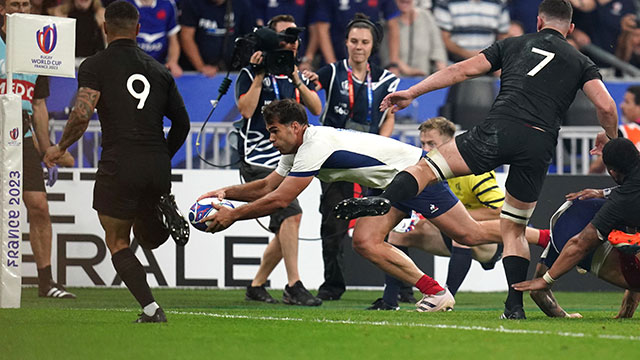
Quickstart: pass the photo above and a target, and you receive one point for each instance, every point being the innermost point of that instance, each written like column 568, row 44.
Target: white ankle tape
column 518, row 216
column 438, row 165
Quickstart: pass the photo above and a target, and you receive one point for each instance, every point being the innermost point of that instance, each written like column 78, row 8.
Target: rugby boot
column 299, row 295
column 442, row 301
column 172, row 219
column 259, row 293
column 56, row 291
column 358, row 207
column 625, row 242
column 516, row 313
column 158, row 317
column 380, row 304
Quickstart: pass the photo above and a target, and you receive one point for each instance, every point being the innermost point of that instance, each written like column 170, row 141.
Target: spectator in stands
column 629, row 41
column 598, row 22
column 421, row 49
column 630, row 128
column 89, row 15
column 42, row 7
column 158, row 34
column 208, row 31
column 469, row 26
column 333, row 16
column 525, row 13
column 354, row 88
column 255, row 88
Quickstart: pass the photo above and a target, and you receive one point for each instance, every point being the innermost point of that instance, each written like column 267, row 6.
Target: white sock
column 151, row 308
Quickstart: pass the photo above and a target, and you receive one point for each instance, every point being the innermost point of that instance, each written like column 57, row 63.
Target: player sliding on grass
column 585, row 243
column 541, row 74
column 371, row 160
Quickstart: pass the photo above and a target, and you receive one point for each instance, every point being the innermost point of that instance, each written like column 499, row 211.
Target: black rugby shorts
column 497, row 142
column 129, row 186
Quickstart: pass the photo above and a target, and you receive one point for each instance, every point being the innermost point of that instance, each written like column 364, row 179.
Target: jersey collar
column 552, row 32
column 123, row 42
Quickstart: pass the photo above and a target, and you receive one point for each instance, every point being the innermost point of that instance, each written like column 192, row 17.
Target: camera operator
column 256, row 87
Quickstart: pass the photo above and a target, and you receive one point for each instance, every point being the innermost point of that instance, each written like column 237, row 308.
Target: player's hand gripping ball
column 203, row 208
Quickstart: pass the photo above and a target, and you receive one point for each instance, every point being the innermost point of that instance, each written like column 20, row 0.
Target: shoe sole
column 173, row 220
column 273, row 301
column 359, row 207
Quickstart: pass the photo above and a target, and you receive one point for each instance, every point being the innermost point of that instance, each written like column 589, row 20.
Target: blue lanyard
column 276, row 89
column 352, row 95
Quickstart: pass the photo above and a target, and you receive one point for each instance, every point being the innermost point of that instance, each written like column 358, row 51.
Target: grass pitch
column 220, row 324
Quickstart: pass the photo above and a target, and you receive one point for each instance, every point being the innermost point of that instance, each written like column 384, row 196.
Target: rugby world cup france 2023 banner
column 36, row 45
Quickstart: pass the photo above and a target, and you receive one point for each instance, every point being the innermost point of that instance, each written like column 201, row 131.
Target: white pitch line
column 499, row 329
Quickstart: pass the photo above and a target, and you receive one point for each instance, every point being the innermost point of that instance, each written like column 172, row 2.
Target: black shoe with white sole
column 173, row 220
column 158, row 317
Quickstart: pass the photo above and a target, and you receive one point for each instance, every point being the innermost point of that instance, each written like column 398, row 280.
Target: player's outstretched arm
column 86, row 101
column 453, row 74
column 606, row 109
column 545, row 299
column 629, row 304
column 275, row 200
column 576, row 249
column 250, row 191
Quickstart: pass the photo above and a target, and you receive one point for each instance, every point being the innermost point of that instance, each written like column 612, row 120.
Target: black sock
column 44, row 277
column 459, row 265
column 515, row 268
column 392, row 285
column 403, row 187
column 132, row 273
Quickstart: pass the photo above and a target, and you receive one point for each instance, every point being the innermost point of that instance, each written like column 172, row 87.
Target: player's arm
column 276, row 200
column 86, row 101
column 606, row 109
column 545, row 299
column 629, row 304
column 250, row 191
column 190, row 48
column 453, row 74
column 574, row 251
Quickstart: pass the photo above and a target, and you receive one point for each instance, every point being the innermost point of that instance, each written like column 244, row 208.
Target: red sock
column 428, row 286
column 543, row 240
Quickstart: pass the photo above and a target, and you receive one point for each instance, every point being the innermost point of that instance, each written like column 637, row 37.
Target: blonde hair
column 440, row 123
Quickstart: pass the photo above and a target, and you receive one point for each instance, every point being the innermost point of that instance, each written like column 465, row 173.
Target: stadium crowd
column 359, row 44
column 421, row 36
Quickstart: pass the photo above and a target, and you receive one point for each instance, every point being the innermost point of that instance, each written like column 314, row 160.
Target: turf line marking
column 499, row 329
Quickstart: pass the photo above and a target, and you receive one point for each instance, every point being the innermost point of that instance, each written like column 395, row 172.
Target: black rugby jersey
column 541, row 74
column 622, row 208
column 136, row 92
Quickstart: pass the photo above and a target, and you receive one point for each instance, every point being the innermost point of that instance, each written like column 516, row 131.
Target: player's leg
column 368, row 241
column 459, row 265
column 514, row 218
column 128, row 266
column 438, row 165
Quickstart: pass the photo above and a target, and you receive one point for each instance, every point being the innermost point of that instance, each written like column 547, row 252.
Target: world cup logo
column 47, row 38
column 14, row 133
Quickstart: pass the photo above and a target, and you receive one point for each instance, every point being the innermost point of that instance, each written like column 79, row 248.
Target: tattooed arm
column 86, row 101
column 545, row 299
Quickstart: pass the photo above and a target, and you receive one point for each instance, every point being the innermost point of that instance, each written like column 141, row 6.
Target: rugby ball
column 203, row 208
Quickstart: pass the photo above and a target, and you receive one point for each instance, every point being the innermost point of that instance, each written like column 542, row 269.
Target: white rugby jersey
column 333, row 154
